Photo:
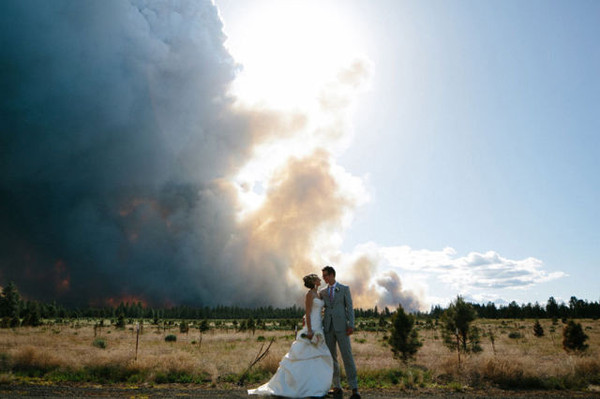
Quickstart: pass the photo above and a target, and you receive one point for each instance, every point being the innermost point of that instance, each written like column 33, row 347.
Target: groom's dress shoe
column 335, row 392
column 355, row 395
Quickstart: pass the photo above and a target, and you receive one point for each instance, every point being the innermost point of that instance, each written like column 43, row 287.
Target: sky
column 206, row 153
column 479, row 135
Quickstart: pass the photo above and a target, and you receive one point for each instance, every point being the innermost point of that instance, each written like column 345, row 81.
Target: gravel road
column 189, row 391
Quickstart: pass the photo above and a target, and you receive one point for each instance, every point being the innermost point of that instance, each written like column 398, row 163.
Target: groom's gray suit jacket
column 340, row 313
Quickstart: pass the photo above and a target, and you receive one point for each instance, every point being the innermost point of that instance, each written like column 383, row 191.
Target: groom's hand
column 349, row 331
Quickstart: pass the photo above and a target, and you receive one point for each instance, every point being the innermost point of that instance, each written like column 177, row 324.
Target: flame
column 127, row 299
column 62, row 278
column 129, row 207
column 60, row 266
column 63, row 285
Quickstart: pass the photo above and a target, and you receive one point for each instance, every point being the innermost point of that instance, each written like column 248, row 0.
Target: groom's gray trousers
column 333, row 339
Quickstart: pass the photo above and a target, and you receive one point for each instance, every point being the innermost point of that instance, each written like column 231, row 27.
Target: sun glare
column 289, row 50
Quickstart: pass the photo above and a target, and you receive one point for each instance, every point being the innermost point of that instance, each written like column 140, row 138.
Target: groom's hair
column 329, row 270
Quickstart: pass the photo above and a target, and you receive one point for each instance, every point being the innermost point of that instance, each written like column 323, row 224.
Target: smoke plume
column 121, row 157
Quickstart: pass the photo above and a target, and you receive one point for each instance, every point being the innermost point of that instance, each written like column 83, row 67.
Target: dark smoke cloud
column 119, row 154
column 116, row 135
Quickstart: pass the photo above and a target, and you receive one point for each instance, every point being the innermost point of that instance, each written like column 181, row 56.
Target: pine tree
column 9, row 306
column 382, row 323
column 251, row 325
column 204, row 326
column 574, row 338
column 32, row 315
column 457, row 328
column 538, row 330
column 404, row 339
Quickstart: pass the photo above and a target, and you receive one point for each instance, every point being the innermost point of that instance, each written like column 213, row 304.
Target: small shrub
column 456, row 386
column 170, row 338
column 120, row 323
column 99, row 343
column 184, row 327
column 515, row 335
column 6, row 378
column 4, row 362
column 180, row 377
column 260, row 338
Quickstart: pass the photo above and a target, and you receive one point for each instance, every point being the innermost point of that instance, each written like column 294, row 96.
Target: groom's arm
column 349, row 311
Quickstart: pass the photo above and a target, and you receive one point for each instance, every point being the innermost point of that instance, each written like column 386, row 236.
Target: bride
column 306, row 370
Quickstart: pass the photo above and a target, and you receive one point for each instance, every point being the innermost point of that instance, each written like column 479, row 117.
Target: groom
column 338, row 325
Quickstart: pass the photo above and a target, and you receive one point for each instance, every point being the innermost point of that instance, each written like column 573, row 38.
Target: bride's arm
column 308, row 306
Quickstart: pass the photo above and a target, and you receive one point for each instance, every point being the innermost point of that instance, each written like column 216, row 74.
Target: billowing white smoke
column 121, row 153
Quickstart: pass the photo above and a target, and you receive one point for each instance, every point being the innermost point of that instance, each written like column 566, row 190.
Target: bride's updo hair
column 309, row 280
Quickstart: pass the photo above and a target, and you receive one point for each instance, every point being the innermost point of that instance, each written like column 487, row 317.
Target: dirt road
column 190, row 391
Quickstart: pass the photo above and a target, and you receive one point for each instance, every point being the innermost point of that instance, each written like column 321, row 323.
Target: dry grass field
column 219, row 357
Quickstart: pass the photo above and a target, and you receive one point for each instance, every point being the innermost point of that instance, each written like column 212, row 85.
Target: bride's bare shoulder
column 312, row 295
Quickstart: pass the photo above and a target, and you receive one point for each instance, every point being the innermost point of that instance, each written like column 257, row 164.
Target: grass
column 72, row 352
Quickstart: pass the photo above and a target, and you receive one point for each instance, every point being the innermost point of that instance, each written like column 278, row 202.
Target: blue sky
column 479, row 132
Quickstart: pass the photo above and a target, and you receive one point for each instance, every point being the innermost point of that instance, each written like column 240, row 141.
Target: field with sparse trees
column 451, row 348
column 217, row 353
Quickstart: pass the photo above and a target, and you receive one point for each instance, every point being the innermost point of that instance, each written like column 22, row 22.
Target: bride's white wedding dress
column 306, row 370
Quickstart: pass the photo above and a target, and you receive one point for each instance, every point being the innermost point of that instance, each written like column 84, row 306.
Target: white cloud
column 443, row 273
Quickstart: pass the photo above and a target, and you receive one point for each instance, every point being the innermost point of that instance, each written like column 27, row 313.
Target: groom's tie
column 331, row 293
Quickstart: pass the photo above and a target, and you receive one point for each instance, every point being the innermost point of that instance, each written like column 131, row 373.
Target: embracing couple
column 311, row 367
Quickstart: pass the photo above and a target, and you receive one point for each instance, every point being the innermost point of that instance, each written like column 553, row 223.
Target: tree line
column 15, row 311
column 574, row 309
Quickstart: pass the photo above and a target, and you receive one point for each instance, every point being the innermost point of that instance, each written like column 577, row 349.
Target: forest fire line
column 126, row 299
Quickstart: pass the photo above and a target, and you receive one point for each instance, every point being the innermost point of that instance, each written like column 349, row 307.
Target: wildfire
column 62, row 279
column 126, row 209
column 63, row 285
column 128, row 299
column 139, row 210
